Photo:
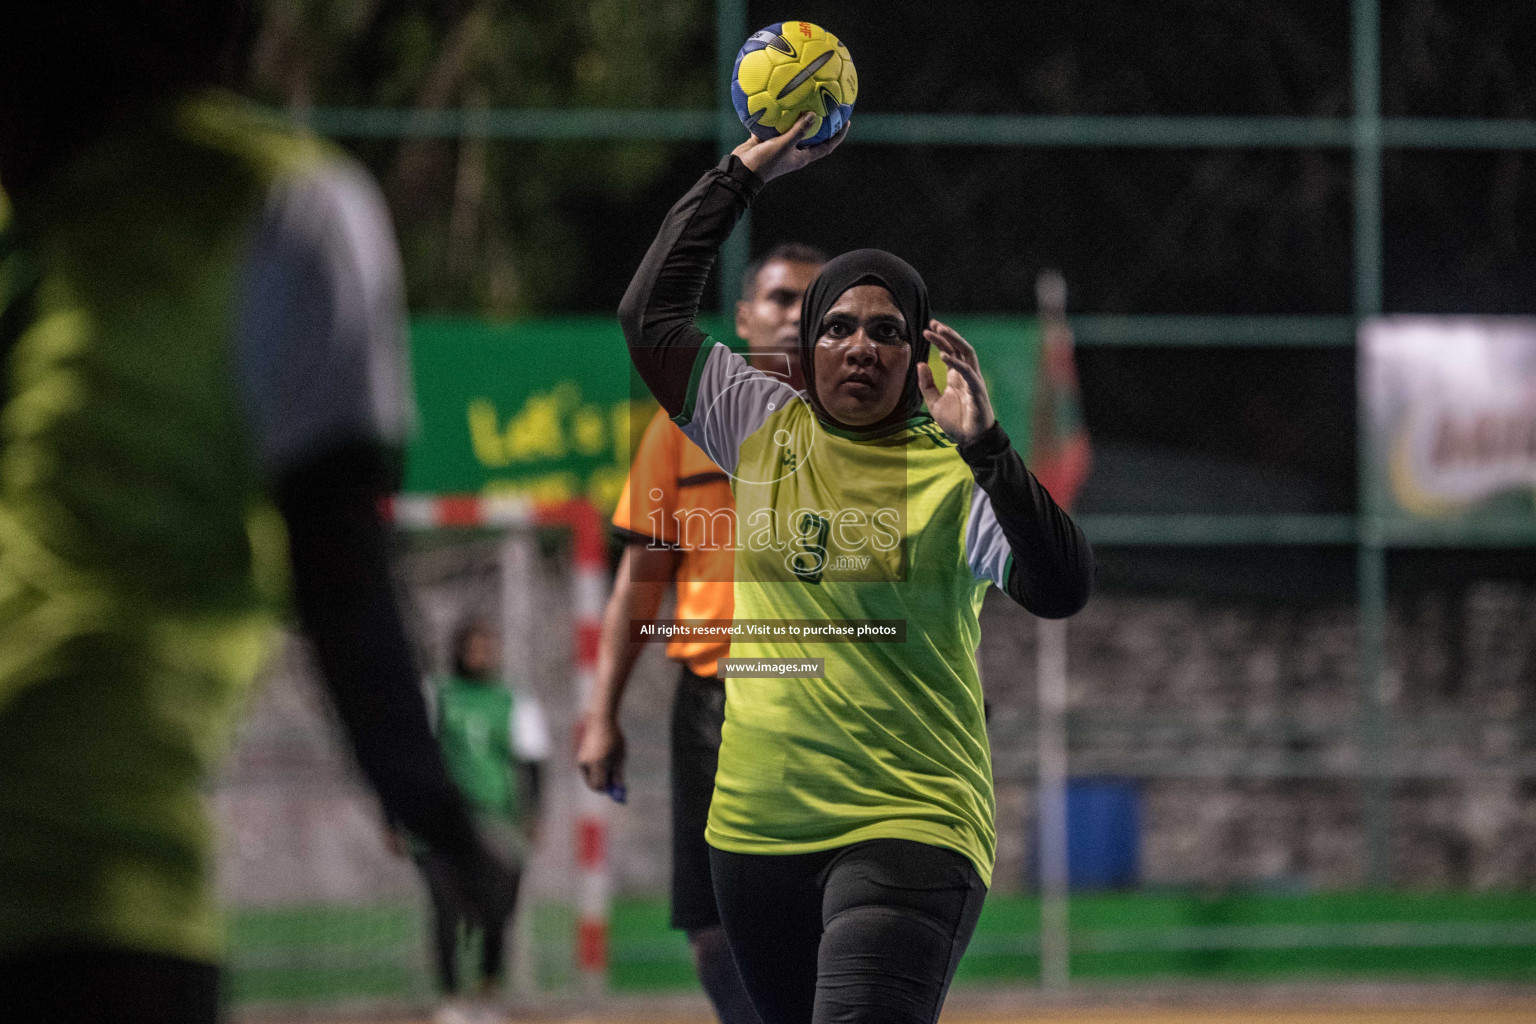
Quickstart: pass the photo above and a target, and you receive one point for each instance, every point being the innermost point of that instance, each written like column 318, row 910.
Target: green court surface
column 315, row 955
column 1125, row 937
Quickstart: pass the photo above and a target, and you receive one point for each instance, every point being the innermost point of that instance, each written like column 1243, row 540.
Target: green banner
column 550, row 408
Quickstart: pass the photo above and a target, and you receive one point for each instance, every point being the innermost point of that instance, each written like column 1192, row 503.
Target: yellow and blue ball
column 789, row 68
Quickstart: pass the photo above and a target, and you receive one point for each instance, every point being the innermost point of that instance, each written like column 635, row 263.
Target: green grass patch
column 329, row 954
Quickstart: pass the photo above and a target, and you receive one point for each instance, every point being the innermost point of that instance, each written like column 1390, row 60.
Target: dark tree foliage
column 495, row 228
column 504, row 229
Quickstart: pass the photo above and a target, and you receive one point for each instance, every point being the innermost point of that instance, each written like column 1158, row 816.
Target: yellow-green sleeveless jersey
column 187, row 309
column 836, row 527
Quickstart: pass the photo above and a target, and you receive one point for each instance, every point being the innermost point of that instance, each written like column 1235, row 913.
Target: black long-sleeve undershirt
column 662, row 303
column 1053, row 564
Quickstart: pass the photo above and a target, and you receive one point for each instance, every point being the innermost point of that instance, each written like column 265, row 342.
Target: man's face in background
column 768, row 320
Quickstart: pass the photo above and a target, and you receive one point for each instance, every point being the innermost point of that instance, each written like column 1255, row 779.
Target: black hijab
column 895, row 275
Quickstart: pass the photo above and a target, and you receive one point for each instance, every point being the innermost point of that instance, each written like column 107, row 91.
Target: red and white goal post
column 520, row 518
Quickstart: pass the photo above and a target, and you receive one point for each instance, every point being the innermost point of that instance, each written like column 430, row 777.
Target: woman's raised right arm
column 662, row 301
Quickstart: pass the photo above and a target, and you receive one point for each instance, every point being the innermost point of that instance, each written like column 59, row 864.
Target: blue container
column 1103, row 834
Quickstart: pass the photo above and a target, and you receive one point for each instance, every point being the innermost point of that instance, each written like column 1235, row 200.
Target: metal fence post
column 1371, row 556
column 730, row 33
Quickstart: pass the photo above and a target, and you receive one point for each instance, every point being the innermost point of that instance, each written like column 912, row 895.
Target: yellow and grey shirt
column 837, row 526
column 194, row 303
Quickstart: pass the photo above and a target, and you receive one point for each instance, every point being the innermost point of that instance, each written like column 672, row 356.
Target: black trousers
column 864, row 934
column 106, row 985
column 698, row 714
column 447, row 920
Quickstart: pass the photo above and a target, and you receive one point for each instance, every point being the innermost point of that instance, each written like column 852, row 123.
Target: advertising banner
column 550, row 409
column 1451, row 404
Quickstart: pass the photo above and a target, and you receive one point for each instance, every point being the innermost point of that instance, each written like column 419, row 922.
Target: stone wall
column 1239, row 719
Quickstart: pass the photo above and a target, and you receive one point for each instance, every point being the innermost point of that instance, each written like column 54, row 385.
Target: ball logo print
column 791, row 459
column 790, row 68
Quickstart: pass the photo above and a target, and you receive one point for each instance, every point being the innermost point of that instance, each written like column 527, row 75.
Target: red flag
column 1059, row 452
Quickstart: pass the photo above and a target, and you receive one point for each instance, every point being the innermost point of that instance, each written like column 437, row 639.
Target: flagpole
column 1056, row 384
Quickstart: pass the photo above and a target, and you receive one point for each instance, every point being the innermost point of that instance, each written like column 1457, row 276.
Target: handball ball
column 787, row 69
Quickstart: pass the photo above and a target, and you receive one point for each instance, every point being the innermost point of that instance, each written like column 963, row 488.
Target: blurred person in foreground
column 669, row 516
column 204, row 397
column 851, row 829
column 494, row 742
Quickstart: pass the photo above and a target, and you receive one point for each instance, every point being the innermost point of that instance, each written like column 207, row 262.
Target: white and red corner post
column 593, row 873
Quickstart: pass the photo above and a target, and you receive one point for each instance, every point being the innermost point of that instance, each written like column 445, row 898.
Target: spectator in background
column 671, row 476
column 494, row 742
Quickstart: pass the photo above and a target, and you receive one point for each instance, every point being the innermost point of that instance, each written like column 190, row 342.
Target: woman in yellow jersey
column 677, row 514
column 851, row 828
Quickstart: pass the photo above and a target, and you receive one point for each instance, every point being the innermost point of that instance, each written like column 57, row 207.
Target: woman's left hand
column 963, row 410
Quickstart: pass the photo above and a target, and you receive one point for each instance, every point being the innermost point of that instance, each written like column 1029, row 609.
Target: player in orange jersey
column 677, row 516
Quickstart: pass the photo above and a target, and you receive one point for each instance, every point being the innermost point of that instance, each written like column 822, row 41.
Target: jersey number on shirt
column 810, row 555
